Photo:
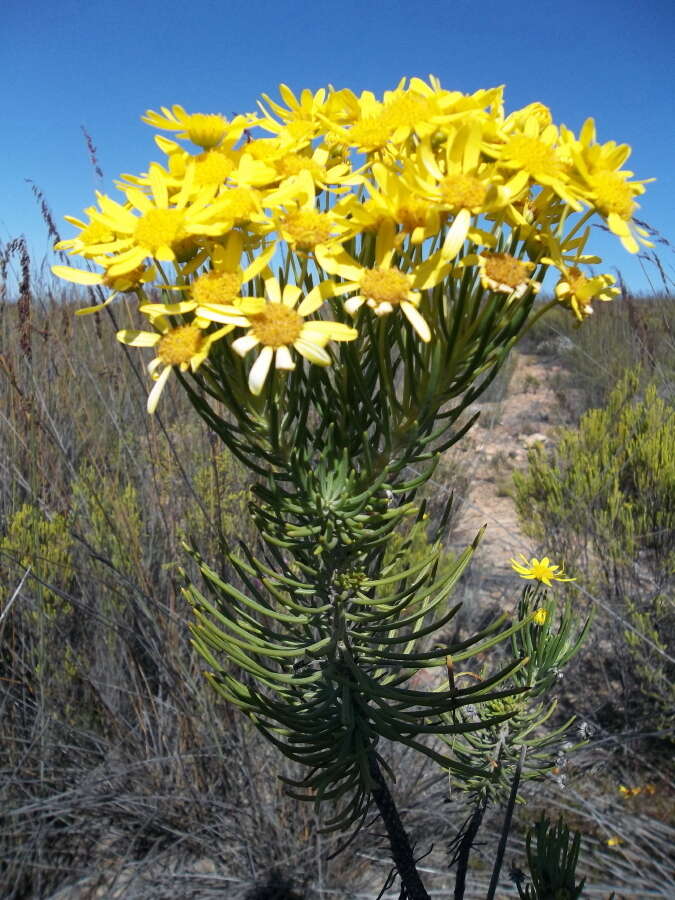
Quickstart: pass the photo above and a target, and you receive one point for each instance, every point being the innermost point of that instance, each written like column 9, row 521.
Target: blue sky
column 101, row 65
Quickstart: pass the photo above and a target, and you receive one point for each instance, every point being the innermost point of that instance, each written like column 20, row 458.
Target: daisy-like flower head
column 533, row 156
column 119, row 284
column 577, row 291
column 393, row 198
column 299, row 222
column 281, row 325
column 455, row 176
column 614, row 198
column 386, row 287
column 185, row 346
column 205, row 130
column 539, row 570
column 504, row 274
column 155, row 226
column 299, row 116
column 222, row 284
column 92, row 234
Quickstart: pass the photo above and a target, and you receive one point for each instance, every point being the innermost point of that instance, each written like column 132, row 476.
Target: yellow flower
column 629, row 792
column 386, row 286
column 185, row 346
column 614, row 198
column 279, row 326
column 223, row 283
column 540, row 617
column 153, row 226
column 533, row 155
column 614, row 841
column 392, row 199
column 504, row 274
column 205, row 130
column 92, row 234
column 300, row 223
column 120, row 284
column 577, row 291
column 299, row 116
column 537, row 570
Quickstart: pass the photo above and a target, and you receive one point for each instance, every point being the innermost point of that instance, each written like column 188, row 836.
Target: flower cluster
column 365, row 204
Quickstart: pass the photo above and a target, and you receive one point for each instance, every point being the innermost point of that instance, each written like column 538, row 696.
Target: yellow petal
column 259, row 370
column 77, row 276
column 153, row 396
column 134, row 338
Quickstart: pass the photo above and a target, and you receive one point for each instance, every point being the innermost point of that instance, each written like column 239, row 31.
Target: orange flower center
column 385, row 285
column 180, row 344
column 413, row 215
column 277, row 325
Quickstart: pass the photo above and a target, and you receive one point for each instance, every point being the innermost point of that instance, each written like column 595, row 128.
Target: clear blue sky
column 99, row 64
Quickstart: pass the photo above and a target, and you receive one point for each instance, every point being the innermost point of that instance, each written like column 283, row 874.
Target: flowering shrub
column 333, row 280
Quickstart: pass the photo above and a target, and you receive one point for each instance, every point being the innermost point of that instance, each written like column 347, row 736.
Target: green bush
column 604, row 498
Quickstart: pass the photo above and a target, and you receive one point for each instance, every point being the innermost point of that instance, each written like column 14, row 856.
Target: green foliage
column 605, row 498
column 539, row 653
column 108, row 509
column 553, row 863
column 32, row 540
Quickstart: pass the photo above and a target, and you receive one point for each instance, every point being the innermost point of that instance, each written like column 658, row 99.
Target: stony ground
column 528, row 413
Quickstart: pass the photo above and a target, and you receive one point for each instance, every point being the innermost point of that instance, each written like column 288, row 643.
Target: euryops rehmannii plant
column 333, row 281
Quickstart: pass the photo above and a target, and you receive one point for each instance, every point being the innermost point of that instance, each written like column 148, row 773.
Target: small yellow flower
column 540, row 617
column 614, row 841
column 385, row 286
column 120, row 284
column 504, row 274
column 577, row 290
column 205, row 130
column 539, row 570
column 278, row 326
column 185, row 346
